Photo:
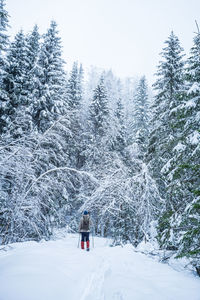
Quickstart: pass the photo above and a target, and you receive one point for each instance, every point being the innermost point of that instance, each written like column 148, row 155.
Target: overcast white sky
column 124, row 35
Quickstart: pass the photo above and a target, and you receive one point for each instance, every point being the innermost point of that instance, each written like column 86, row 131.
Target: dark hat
column 85, row 212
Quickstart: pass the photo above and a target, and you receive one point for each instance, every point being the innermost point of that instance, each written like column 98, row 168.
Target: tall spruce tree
column 3, row 26
column 49, row 102
column 141, row 102
column 99, row 111
column 97, row 140
column 119, row 130
column 4, row 42
column 169, row 87
column 17, row 119
column 74, row 94
column 32, row 51
column 185, row 167
column 186, row 142
column 141, row 117
column 74, row 87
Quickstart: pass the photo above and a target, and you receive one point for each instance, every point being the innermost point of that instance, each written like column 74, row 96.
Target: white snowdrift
column 58, row 270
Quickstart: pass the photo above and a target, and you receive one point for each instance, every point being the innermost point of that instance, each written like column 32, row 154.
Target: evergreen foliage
column 99, row 113
column 17, row 119
column 164, row 136
column 4, row 42
column 141, row 116
column 74, row 87
column 74, row 97
column 51, row 90
column 3, row 26
column 178, row 226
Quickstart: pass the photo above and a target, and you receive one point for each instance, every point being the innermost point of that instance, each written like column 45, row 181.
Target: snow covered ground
column 58, row 270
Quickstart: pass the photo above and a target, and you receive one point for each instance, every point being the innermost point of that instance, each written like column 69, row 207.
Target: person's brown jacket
column 85, row 224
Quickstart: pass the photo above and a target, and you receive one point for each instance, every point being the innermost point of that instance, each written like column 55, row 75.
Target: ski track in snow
column 58, row 270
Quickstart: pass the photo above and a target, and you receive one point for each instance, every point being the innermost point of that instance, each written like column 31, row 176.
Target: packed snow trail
column 58, row 270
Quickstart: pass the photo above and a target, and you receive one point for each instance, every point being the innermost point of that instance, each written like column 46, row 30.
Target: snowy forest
column 72, row 140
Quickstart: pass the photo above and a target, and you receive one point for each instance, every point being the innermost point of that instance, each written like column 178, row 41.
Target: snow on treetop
column 179, row 147
column 194, row 138
column 194, row 88
column 191, row 103
column 166, row 167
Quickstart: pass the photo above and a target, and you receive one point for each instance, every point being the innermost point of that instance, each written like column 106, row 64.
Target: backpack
column 85, row 223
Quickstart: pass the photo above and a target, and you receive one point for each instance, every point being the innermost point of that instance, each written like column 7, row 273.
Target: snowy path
column 57, row 270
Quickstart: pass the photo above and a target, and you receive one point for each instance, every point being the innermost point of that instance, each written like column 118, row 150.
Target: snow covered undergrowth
column 59, row 270
column 153, row 250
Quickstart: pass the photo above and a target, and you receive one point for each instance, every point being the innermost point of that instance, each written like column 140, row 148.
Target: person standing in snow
column 84, row 229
